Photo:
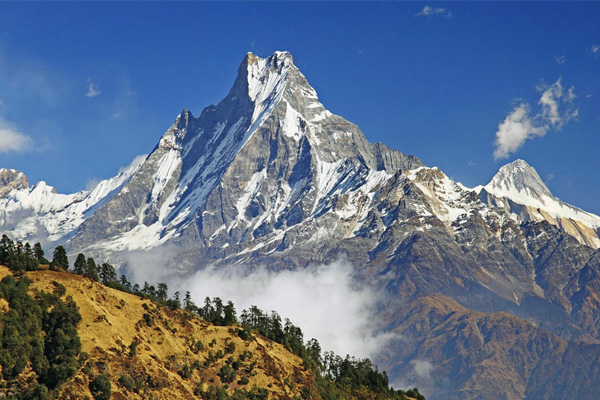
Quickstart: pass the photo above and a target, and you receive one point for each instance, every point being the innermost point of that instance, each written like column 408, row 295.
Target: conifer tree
column 59, row 258
column 38, row 253
column 107, row 273
column 80, row 264
column 6, row 249
column 125, row 282
column 162, row 291
column 188, row 304
column 91, row 269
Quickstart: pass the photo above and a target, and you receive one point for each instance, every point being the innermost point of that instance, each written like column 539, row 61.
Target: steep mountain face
column 269, row 177
column 247, row 172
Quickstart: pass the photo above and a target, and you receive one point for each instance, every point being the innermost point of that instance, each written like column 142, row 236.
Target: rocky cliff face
column 12, row 180
column 269, row 177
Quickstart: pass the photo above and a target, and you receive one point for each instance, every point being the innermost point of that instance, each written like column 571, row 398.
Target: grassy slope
column 112, row 320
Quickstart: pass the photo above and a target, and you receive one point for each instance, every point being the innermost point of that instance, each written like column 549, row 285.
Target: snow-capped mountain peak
column 520, row 182
column 267, row 167
column 518, row 188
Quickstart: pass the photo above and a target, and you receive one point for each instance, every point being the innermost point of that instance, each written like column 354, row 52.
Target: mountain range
column 496, row 289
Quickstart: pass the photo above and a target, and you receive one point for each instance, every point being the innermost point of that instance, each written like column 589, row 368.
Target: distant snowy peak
column 521, row 183
column 40, row 213
column 518, row 188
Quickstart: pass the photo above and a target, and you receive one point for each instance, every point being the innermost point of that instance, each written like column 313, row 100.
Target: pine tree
column 125, row 282
column 188, row 304
column 59, row 258
column 80, row 264
column 29, row 262
column 6, row 248
column 91, row 269
column 162, row 291
column 107, row 274
column 38, row 253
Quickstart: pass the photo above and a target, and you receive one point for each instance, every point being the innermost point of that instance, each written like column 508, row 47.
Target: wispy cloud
column 556, row 110
column 91, row 183
column 560, row 59
column 11, row 140
column 93, row 90
column 595, row 50
column 429, row 11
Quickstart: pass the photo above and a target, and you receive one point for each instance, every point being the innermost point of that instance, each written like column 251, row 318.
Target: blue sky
column 85, row 87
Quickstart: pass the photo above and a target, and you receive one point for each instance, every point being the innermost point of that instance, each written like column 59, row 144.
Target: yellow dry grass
column 112, row 320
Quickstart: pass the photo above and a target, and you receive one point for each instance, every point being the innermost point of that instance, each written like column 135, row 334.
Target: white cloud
column 514, row 130
column 422, row 368
column 595, row 50
column 552, row 95
column 556, row 110
column 11, row 140
column 93, row 90
column 429, row 11
column 560, row 59
column 324, row 301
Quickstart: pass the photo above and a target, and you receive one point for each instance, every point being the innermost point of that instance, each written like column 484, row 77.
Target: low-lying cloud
column 422, row 368
column 325, row 301
column 555, row 110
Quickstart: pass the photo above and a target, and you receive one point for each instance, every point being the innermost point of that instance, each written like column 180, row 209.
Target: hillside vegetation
column 86, row 340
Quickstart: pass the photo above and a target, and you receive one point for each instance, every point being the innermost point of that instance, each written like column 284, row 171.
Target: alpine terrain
column 493, row 291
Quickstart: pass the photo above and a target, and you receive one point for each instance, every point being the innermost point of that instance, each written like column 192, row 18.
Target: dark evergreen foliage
column 17, row 256
column 107, row 274
column 60, row 259
column 91, row 269
column 80, row 264
column 39, row 332
column 100, row 387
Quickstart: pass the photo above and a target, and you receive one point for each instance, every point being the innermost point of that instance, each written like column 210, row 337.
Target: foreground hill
column 148, row 351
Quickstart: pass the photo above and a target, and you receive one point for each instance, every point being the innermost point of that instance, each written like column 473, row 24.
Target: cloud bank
column 11, row 140
column 555, row 110
column 324, row 301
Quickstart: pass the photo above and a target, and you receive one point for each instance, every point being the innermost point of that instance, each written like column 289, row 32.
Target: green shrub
column 127, row 382
column 100, row 387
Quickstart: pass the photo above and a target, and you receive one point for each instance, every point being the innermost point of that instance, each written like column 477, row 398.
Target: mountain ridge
column 269, row 177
